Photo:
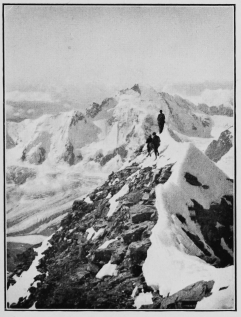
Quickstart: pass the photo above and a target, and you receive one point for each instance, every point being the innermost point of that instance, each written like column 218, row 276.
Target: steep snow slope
column 132, row 116
column 194, row 219
column 51, row 137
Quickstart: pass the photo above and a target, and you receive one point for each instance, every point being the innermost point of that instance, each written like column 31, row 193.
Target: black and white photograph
column 119, row 157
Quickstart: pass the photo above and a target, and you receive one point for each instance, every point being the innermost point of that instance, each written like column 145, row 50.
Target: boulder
column 141, row 213
column 93, row 268
column 134, row 233
column 218, row 148
column 132, row 198
column 119, row 254
column 102, row 255
column 137, row 251
column 189, row 296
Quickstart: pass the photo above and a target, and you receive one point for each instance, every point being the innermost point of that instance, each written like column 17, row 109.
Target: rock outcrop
column 71, row 281
column 18, row 175
column 9, row 142
column 213, row 110
column 217, row 149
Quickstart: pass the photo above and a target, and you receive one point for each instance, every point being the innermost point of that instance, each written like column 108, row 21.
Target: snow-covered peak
column 110, row 132
column 51, row 137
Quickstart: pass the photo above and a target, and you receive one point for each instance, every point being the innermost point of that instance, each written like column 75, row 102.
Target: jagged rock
column 186, row 298
column 93, row 268
column 82, row 206
column 93, row 110
column 136, row 88
column 152, row 193
column 40, row 277
column 146, row 196
column 134, row 234
column 207, row 219
column 141, row 213
column 137, row 251
column 36, row 156
column 146, row 233
column 19, row 175
column 10, row 281
column 161, row 176
column 132, row 198
column 102, row 255
column 118, row 151
column 217, row 149
column 69, row 155
column 9, row 142
column 80, row 274
column 214, row 110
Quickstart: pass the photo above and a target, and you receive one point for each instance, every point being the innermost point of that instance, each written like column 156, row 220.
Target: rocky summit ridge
column 160, row 236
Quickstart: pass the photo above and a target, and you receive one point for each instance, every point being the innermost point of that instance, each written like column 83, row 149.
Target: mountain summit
column 52, row 137
column 112, row 129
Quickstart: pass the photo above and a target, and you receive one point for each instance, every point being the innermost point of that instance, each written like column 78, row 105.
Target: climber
column 149, row 145
column 161, row 121
column 156, row 143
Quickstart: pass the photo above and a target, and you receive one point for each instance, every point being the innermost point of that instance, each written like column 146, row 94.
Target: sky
column 70, row 56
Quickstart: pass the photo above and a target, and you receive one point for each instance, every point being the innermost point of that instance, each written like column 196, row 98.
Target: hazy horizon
column 69, row 56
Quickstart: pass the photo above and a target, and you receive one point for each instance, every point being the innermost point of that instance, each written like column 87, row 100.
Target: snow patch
column 88, row 200
column 225, row 247
column 222, row 293
column 113, row 203
column 33, row 307
column 106, row 243
column 91, row 232
column 133, row 294
column 226, row 163
column 98, row 233
column 107, row 269
column 30, row 239
column 143, row 299
column 24, row 281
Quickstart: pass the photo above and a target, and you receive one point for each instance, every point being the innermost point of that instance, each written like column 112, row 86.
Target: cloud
column 217, row 97
column 18, row 96
column 9, row 110
column 67, row 106
column 30, row 111
column 13, row 112
column 200, row 94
